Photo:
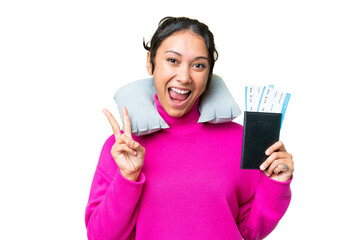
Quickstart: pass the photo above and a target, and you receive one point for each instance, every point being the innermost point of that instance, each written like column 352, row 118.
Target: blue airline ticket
column 266, row 99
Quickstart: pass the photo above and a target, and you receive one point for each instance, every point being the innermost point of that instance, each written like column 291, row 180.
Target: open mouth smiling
column 178, row 95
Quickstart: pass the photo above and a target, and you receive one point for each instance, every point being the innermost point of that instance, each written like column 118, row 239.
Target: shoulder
column 233, row 125
column 108, row 144
column 110, row 141
column 106, row 161
column 228, row 130
column 226, row 126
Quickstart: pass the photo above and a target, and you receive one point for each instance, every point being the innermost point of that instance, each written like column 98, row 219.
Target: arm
column 260, row 214
column 113, row 204
column 271, row 193
column 112, row 209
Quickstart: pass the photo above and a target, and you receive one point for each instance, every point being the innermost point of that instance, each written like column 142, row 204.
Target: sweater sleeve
column 261, row 212
column 112, row 209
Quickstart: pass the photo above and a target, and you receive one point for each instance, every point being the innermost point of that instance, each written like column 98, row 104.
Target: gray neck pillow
column 216, row 105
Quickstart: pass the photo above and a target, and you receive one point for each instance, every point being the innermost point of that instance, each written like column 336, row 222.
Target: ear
column 148, row 64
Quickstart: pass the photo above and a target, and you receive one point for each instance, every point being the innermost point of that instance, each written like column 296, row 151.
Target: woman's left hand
column 279, row 165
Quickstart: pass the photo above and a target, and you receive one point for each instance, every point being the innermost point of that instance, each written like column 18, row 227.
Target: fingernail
column 262, row 167
column 267, row 152
column 135, row 153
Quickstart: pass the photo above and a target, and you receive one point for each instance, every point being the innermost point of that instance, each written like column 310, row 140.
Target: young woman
column 184, row 182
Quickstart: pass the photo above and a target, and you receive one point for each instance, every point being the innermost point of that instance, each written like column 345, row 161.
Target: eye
column 199, row 65
column 172, row 60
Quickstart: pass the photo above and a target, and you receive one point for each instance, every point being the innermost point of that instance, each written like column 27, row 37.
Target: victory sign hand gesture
column 128, row 154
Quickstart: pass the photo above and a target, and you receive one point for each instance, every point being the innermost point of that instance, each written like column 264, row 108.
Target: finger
column 115, row 126
column 281, row 168
column 126, row 119
column 272, row 158
column 278, row 146
column 122, row 148
column 275, row 165
column 137, row 147
column 279, row 165
column 127, row 140
column 131, row 143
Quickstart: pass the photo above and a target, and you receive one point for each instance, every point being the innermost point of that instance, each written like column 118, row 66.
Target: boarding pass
column 266, row 99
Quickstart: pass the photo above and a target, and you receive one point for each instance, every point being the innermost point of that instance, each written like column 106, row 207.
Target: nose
column 183, row 75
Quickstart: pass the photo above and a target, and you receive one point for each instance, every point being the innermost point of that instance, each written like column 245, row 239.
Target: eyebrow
column 177, row 53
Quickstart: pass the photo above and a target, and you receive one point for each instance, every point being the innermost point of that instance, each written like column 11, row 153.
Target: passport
column 261, row 130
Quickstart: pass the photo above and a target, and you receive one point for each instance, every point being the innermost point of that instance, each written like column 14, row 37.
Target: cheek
column 160, row 84
column 162, row 76
column 161, row 73
column 157, row 80
column 202, row 86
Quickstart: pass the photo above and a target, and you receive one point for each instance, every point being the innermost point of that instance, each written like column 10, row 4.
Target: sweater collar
column 190, row 118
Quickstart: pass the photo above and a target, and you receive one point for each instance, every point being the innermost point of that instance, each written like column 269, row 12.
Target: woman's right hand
column 128, row 154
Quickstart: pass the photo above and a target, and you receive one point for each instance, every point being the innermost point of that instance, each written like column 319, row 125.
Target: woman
column 188, row 184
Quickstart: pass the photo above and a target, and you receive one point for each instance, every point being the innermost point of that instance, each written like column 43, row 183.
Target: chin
column 176, row 113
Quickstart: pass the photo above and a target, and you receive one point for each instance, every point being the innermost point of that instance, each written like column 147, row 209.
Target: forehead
column 185, row 41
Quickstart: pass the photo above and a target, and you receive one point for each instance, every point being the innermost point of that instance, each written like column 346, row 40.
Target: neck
column 189, row 119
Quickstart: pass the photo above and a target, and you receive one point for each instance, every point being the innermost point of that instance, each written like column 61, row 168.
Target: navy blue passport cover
column 261, row 130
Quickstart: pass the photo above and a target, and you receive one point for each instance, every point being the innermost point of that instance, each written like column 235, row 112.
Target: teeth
column 180, row 91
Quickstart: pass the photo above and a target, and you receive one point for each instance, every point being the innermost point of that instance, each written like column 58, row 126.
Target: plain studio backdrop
column 62, row 61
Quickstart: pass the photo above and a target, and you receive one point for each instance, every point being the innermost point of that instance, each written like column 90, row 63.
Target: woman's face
column 181, row 71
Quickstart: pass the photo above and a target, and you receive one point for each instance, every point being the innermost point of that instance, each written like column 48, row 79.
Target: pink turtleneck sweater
column 191, row 187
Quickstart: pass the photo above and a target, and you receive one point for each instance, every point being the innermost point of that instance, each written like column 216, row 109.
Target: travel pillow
column 216, row 105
